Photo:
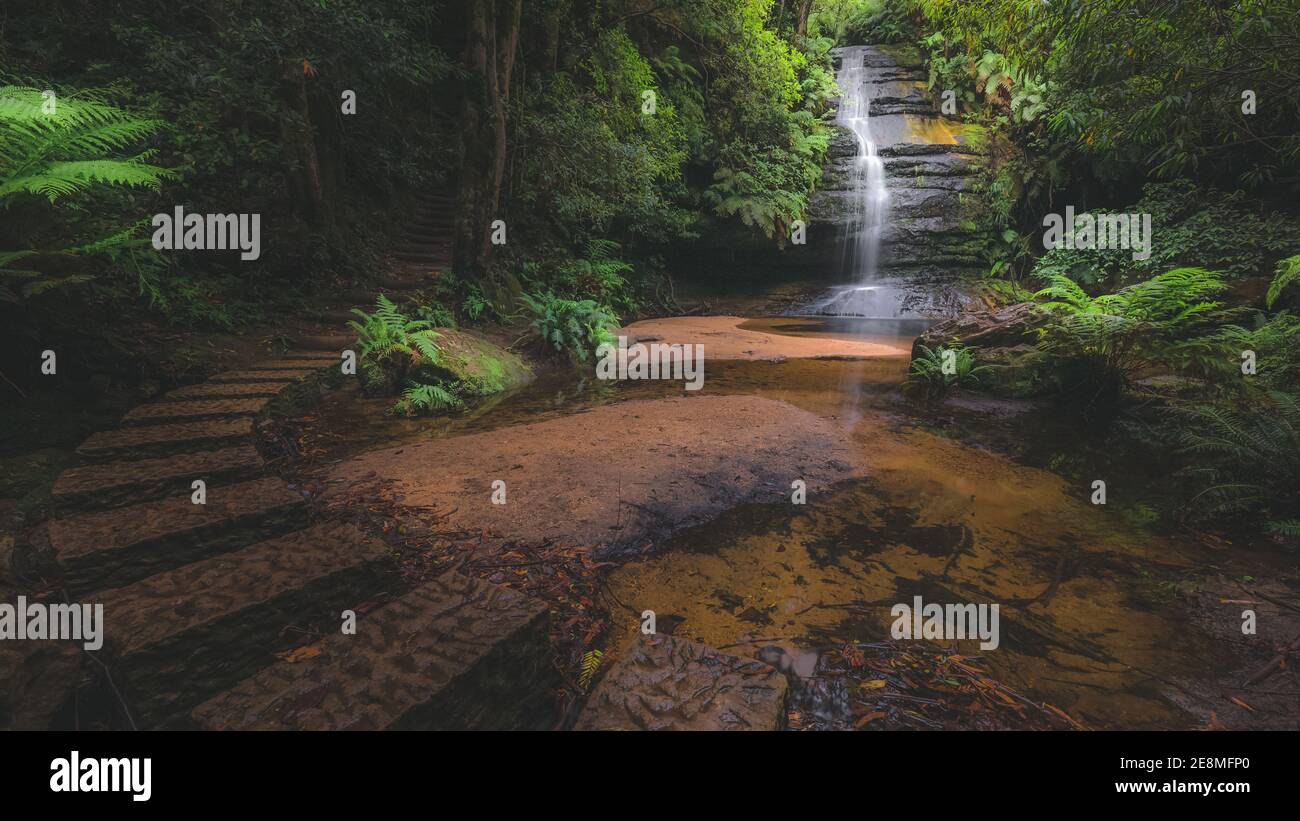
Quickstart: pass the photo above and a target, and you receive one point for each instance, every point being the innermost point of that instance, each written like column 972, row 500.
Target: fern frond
column 1288, row 272
column 590, row 664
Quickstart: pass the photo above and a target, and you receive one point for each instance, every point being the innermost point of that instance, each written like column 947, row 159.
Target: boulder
column 1016, row 372
column 481, row 367
column 1003, row 340
column 1007, row 327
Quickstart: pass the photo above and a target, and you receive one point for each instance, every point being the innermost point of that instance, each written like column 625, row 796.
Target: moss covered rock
column 478, row 367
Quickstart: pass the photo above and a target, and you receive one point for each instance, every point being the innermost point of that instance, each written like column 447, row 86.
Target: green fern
column 1286, row 527
column 1288, row 272
column 1247, row 458
column 418, row 400
column 73, row 146
column 1103, row 341
column 928, row 378
column 575, row 327
column 391, row 343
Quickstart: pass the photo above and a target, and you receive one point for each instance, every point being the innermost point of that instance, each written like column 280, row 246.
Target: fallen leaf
column 298, row 654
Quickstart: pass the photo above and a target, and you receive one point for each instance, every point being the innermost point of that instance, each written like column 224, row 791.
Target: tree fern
column 1247, row 458
column 1288, row 272
column 1104, row 341
column 65, row 145
column 71, row 146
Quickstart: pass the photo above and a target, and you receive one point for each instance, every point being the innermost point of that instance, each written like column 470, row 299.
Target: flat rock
column 112, row 484
column 144, row 441
column 666, row 683
column 724, row 338
column 115, row 547
column 663, row 465
column 456, row 653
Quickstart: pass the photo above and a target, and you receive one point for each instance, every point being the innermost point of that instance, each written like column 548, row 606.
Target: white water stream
column 868, row 207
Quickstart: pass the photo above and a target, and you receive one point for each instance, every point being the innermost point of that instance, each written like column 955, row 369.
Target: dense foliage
column 607, row 135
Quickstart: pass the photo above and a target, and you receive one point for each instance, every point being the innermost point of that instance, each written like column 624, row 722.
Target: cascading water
column 870, row 198
column 868, row 207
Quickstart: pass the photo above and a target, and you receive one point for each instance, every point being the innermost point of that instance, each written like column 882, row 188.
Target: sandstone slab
column 667, row 683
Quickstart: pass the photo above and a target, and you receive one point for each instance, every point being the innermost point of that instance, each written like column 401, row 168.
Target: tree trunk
column 491, row 42
column 295, row 125
column 801, row 21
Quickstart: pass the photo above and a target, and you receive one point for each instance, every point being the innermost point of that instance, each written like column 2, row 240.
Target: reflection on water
column 1081, row 627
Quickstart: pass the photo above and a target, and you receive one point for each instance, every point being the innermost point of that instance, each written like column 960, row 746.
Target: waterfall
column 867, row 208
column 869, row 201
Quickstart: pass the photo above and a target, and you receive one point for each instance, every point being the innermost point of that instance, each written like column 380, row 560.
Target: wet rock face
column 666, row 683
column 1005, row 327
column 932, row 166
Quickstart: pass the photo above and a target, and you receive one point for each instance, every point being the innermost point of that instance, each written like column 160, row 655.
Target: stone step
column 178, row 638
column 424, row 241
column 287, row 365
column 455, row 653
column 157, row 413
column 665, row 683
column 309, row 356
column 437, row 229
column 233, row 390
column 328, row 342
column 116, row 547
column 405, row 283
column 435, row 259
column 287, row 375
column 428, row 248
column 144, row 441
column 114, row 484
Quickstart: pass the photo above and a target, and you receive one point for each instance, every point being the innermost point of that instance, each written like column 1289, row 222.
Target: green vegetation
column 612, row 139
column 391, row 345
column 1130, row 107
column 1246, row 460
column 432, row 371
column 934, row 375
column 571, row 327
column 57, row 150
column 1102, row 343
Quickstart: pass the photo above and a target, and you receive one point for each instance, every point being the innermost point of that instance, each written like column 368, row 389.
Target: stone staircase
column 428, row 238
column 422, row 254
column 202, row 601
